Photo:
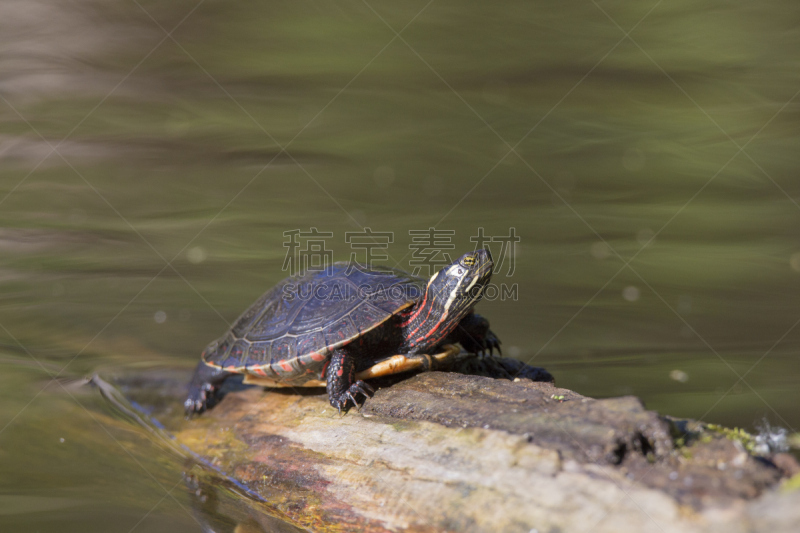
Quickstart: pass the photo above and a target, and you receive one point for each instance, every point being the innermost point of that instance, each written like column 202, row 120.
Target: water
column 162, row 215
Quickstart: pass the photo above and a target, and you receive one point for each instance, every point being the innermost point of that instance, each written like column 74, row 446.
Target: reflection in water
column 218, row 510
column 145, row 195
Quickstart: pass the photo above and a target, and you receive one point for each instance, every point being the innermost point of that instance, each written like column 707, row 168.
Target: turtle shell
column 288, row 334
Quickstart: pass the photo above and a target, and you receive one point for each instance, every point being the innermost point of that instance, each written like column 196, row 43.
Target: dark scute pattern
column 283, row 349
column 219, row 353
column 377, row 277
column 330, row 300
column 210, row 350
column 304, row 314
column 277, row 320
column 366, row 316
column 259, row 307
column 253, row 313
column 340, row 331
column 389, row 300
column 316, row 299
column 236, row 356
column 310, row 343
column 258, row 353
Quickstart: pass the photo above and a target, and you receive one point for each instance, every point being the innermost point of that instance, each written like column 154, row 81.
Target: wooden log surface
column 447, row 451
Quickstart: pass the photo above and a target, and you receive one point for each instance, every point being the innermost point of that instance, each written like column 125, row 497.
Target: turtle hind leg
column 203, row 388
column 342, row 385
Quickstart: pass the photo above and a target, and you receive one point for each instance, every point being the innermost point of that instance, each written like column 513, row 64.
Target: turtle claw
column 492, row 343
column 199, row 399
column 485, row 346
column 351, row 395
column 191, row 407
column 364, row 388
column 355, row 402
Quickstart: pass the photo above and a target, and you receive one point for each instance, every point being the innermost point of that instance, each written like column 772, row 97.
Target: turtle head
column 459, row 286
column 450, row 296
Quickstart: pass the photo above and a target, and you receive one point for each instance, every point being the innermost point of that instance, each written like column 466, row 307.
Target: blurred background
column 152, row 155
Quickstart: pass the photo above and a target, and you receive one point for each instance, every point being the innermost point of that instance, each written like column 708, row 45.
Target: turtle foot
column 342, row 400
column 199, row 399
column 482, row 345
column 203, row 389
column 490, row 344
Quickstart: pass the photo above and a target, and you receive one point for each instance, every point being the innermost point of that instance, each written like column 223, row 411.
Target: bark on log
column 445, row 451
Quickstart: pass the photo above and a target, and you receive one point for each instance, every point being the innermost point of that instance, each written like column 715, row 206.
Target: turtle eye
column 456, row 270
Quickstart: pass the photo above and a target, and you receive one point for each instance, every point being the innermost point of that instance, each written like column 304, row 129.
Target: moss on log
column 443, row 451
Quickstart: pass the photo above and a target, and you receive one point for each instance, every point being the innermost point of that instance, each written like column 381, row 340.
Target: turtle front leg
column 474, row 335
column 342, row 385
column 203, row 388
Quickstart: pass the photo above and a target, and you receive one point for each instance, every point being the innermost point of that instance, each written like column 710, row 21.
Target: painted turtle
column 336, row 326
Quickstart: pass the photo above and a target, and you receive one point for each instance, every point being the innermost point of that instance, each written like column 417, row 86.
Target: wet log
column 461, row 451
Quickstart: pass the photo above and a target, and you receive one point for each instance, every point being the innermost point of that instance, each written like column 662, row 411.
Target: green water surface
column 147, row 179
